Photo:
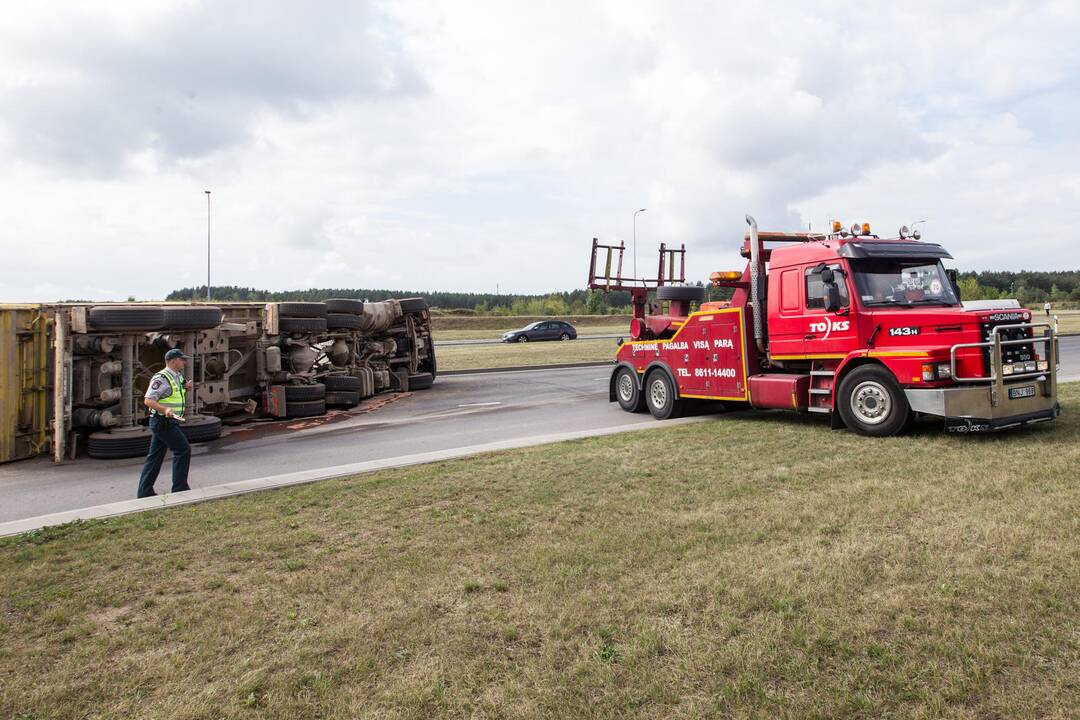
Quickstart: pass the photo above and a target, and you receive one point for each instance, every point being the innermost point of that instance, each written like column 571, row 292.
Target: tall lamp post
column 635, row 239
column 207, row 245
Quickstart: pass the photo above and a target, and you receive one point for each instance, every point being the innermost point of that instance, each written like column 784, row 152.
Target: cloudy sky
column 460, row 145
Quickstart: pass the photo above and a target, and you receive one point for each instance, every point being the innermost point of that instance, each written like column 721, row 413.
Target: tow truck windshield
column 890, row 281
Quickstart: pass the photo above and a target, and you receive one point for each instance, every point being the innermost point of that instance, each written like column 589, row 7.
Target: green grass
column 757, row 566
column 466, row 357
column 441, row 323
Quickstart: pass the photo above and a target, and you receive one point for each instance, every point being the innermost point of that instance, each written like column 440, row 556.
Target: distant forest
column 1030, row 287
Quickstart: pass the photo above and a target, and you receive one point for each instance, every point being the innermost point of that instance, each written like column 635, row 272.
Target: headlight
column 944, row 370
column 1029, row 366
column 1044, row 365
column 1006, row 369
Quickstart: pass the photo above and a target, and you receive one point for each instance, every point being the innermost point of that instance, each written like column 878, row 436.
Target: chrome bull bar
column 997, row 375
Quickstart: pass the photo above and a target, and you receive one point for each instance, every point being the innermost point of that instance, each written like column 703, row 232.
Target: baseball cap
column 176, row 353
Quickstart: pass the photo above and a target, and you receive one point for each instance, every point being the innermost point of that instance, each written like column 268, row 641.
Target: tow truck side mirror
column 954, row 280
column 832, row 297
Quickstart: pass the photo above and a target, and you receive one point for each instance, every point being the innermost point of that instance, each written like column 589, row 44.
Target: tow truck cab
column 868, row 330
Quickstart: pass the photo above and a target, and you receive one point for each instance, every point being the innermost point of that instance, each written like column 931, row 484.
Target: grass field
column 1068, row 320
column 757, row 566
column 612, row 328
column 440, row 323
column 465, row 357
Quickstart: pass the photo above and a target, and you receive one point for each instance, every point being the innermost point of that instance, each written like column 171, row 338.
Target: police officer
column 166, row 398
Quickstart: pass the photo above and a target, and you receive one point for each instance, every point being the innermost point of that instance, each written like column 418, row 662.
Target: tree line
column 1029, row 287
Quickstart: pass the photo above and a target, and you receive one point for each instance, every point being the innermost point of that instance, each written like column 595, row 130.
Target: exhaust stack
column 756, row 300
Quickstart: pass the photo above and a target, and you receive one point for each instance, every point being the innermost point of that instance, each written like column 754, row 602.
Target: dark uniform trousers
column 166, row 435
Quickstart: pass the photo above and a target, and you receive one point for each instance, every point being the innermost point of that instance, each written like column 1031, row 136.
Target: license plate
column 1021, row 392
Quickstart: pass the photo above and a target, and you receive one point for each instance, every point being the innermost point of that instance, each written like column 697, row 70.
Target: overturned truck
column 72, row 375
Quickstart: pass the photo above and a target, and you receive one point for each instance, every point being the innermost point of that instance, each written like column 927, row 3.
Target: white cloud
column 455, row 145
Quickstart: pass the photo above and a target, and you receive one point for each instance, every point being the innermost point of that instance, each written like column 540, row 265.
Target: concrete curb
column 197, row 495
column 527, row 368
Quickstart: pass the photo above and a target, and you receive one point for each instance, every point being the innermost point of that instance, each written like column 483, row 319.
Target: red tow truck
column 868, row 330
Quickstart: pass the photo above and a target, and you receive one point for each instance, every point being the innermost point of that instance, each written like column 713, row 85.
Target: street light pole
column 207, row 246
column 635, row 239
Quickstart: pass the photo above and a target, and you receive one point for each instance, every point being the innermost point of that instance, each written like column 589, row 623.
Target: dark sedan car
column 543, row 330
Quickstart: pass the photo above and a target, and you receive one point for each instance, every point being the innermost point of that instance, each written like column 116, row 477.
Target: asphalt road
column 458, row 411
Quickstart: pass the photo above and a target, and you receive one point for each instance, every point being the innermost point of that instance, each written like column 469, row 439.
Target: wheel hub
column 871, row 402
column 625, row 387
column 658, row 393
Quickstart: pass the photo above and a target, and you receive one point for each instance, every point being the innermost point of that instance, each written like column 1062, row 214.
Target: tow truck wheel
column 661, row 396
column 627, row 392
column 871, row 402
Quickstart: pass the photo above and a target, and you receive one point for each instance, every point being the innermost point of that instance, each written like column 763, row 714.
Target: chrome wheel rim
column 658, row 393
column 871, row 402
column 625, row 387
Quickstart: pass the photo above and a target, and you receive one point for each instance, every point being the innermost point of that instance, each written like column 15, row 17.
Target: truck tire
column 302, row 309
column 348, row 383
column 192, row 318
column 119, row 318
column 343, row 321
column 627, row 392
column 662, row 397
column 201, row 428
column 345, row 305
column 128, row 444
column 680, row 292
column 412, row 305
column 420, row 381
column 304, row 408
column 342, row 398
column 871, row 402
column 302, row 325
column 304, row 392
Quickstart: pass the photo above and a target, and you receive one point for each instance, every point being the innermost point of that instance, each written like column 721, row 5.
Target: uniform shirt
column 159, row 388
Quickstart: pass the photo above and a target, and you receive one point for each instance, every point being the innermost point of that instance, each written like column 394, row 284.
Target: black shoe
column 150, row 494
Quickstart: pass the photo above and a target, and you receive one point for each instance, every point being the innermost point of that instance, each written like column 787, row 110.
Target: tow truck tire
column 304, row 392
column 661, row 396
column 192, row 318
column 342, row 398
column 302, row 309
column 420, row 381
column 343, row 321
column 126, row 317
column 348, row 383
column 627, row 391
column 304, row 408
column 301, row 325
column 128, row 444
column 680, row 292
column 872, row 403
column 412, row 305
column 345, row 305
column 201, row 428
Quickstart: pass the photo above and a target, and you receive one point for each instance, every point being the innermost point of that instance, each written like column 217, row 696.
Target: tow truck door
column 786, row 314
column 827, row 333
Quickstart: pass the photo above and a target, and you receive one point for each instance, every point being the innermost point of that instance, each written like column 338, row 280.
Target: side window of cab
column 815, row 288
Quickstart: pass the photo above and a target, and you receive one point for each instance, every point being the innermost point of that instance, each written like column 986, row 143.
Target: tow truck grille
column 1010, row 353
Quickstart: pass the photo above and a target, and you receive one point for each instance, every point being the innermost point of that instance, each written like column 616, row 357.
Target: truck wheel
column 301, row 325
column 680, row 292
column 342, row 398
column 304, row 408
column 192, row 318
column 129, row 443
column 201, row 428
column 304, row 392
column 627, row 392
column 412, row 305
column 130, row 317
column 661, row 396
column 345, row 305
column 522, row 338
column 871, row 402
column 348, row 383
column 420, row 381
column 302, row 309
column 343, row 321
